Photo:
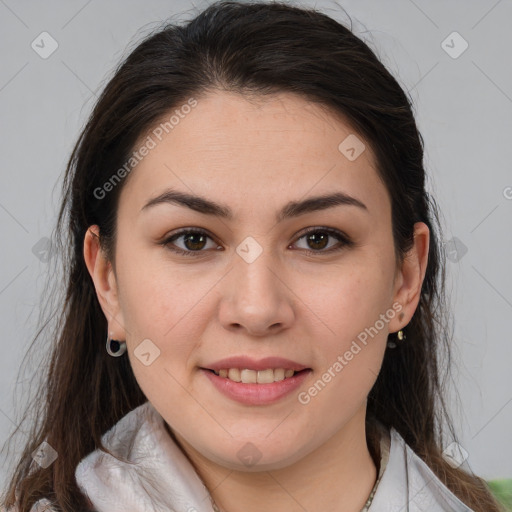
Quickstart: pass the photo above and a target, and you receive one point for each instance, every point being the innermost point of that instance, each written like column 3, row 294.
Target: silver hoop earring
column 115, row 348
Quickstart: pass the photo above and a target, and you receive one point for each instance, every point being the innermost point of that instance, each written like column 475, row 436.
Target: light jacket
column 162, row 479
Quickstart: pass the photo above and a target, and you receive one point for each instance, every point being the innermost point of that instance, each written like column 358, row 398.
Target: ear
column 105, row 282
column 409, row 278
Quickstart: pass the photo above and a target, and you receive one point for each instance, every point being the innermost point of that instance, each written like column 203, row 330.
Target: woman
column 254, row 315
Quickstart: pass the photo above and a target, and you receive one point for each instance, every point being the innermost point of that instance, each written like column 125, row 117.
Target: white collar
column 163, row 479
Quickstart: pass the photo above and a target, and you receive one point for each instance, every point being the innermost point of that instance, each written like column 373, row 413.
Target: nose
column 256, row 298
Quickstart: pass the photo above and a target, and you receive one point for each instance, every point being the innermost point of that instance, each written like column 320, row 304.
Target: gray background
column 464, row 111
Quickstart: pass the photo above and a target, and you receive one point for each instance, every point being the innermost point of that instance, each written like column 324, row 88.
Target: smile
column 252, row 376
column 250, row 390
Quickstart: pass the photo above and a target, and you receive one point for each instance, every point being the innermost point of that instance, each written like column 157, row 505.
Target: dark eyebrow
column 291, row 209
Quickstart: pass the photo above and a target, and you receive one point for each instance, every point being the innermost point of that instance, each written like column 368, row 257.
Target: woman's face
column 271, row 279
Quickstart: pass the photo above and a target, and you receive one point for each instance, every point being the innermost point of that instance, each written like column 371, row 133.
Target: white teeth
column 265, row 376
column 279, row 374
column 234, row 374
column 249, row 376
column 255, row 376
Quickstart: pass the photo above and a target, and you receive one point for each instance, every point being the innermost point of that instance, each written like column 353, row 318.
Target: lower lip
column 256, row 394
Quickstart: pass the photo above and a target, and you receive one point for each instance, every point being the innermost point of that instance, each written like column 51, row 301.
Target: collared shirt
column 385, row 444
column 158, row 477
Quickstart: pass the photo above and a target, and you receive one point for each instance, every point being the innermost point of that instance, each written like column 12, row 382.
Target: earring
column 400, row 336
column 115, row 348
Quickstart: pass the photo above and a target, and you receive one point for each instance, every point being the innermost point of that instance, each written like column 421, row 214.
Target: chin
column 252, row 458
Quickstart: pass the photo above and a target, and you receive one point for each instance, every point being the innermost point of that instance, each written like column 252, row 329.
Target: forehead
column 254, row 152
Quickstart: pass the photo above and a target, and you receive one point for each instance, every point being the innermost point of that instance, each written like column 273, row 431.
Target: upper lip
column 247, row 363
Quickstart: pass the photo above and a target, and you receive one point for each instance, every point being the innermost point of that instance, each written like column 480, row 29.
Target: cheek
column 353, row 296
column 350, row 305
column 168, row 306
column 154, row 295
column 350, row 354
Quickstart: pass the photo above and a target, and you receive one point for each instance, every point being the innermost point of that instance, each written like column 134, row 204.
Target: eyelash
column 344, row 240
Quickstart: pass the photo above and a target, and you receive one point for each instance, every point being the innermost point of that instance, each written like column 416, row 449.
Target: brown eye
column 194, row 241
column 317, row 240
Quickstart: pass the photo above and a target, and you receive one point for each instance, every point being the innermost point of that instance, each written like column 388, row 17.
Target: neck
column 337, row 476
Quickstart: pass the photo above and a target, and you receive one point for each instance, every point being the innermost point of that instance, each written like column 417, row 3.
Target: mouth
column 256, row 387
column 248, row 376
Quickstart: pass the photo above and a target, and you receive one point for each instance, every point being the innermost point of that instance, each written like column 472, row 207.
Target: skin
column 255, row 156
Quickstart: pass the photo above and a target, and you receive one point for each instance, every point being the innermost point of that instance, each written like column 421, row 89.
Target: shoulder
column 409, row 484
column 42, row 505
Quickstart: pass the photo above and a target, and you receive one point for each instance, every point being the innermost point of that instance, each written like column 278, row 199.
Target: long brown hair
column 249, row 48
